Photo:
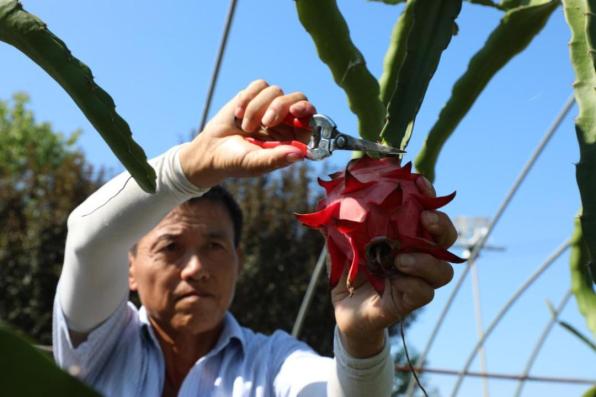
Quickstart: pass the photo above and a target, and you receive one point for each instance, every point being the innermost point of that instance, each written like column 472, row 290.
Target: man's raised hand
column 221, row 150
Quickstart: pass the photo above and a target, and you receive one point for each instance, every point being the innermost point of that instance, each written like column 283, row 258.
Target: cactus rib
column 31, row 36
column 431, row 31
column 591, row 29
column 395, row 55
column 585, row 128
column 515, row 31
column 329, row 31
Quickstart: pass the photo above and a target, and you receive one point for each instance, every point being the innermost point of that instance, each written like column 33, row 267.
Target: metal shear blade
column 326, row 138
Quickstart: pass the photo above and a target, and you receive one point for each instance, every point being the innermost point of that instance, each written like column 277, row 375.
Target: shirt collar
column 231, row 331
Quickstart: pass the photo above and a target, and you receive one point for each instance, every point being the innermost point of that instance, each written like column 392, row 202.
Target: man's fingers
column 435, row 272
column 247, row 95
column 279, row 108
column 255, row 110
column 426, row 187
column 302, row 108
column 412, row 293
column 440, row 226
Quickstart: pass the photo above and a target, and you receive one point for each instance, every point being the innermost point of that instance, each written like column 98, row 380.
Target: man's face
column 186, row 268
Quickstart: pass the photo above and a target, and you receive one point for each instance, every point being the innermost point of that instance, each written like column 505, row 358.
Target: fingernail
column 293, row 157
column 269, row 117
column 430, row 218
column 239, row 112
column 405, row 260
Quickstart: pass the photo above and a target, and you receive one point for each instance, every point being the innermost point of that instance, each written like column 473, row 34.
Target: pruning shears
column 325, row 139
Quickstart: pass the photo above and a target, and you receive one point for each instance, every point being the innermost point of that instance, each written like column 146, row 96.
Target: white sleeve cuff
column 372, row 376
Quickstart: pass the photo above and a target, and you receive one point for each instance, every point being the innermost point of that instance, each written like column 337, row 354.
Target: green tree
column 279, row 257
column 43, row 176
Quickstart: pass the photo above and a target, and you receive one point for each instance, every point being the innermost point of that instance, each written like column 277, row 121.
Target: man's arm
column 100, row 233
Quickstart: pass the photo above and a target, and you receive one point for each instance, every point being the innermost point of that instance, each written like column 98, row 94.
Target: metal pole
column 479, row 326
column 476, row 250
column 308, row 295
column 540, row 342
column 562, row 248
column 215, row 73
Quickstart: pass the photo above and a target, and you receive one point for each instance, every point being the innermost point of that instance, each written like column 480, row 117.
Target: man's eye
column 171, row 247
column 215, row 245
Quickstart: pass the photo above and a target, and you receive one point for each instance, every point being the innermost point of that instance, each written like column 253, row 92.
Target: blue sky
column 155, row 60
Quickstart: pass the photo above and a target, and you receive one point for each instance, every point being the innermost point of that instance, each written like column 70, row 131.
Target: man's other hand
column 363, row 317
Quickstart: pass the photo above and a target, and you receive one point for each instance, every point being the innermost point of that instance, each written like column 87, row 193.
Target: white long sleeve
column 101, row 231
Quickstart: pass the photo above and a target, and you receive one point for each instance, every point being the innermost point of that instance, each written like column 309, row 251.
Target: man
column 183, row 341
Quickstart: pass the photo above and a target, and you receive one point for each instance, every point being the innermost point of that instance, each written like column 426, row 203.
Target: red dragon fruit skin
column 371, row 213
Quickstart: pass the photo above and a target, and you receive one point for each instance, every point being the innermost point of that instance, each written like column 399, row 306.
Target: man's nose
column 194, row 268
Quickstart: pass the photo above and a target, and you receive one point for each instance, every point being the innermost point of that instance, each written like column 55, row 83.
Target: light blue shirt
column 122, row 357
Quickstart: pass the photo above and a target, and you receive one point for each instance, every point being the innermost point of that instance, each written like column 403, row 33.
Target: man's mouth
column 195, row 295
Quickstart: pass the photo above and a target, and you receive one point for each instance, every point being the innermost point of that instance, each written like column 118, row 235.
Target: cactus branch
column 329, row 31
column 585, row 128
column 581, row 283
column 430, row 33
column 515, row 31
column 591, row 29
column 395, row 55
column 32, row 37
column 585, row 123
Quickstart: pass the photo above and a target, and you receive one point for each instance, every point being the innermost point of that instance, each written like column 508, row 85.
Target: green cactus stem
column 395, row 55
column 432, row 27
column 585, row 128
column 581, row 282
column 31, row 36
column 515, row 31
column 28, row 372
column 329, row 31
column 591, row 28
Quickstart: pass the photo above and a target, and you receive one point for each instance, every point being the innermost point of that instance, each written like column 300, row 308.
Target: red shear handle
column 289, row 120
column 302, row 123
column 271, row 144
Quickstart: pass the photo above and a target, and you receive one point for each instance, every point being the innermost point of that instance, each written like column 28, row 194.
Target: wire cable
column 217, row 67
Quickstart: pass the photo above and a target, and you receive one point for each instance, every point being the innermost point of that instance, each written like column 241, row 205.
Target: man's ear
column 132, row 282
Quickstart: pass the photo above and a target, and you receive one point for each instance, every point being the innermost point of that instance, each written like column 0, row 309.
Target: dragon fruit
column 370, row 214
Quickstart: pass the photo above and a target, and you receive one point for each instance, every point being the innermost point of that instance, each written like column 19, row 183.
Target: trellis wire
column 217, row 67
column 551, row 379
column 562, row 248
column 540, row 342
column 476, row 249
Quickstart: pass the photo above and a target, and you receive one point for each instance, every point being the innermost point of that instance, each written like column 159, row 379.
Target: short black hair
column 219, row 194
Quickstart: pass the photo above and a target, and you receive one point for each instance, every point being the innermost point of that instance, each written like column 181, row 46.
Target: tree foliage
column 43, row 177
column 279, row 257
